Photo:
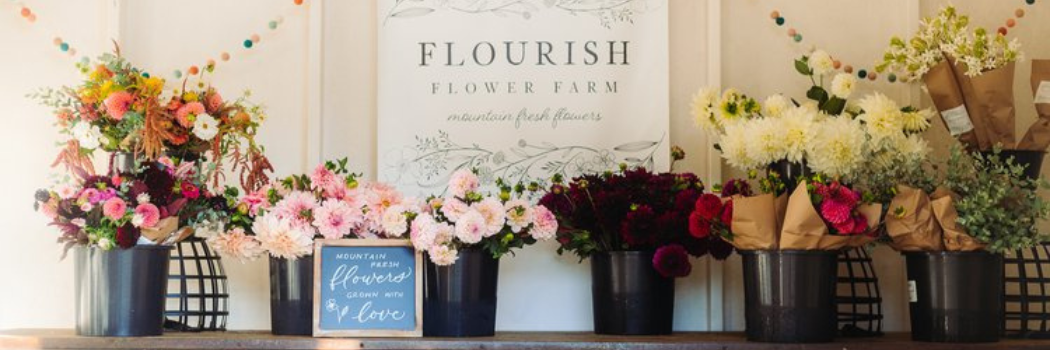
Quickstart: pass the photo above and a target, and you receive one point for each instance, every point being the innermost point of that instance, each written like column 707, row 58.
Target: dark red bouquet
column 633, row 210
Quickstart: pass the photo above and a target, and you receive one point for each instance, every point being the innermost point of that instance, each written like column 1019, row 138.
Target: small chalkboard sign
column 367, row 288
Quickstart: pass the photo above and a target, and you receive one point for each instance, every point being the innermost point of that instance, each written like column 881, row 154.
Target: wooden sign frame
column 319, row 332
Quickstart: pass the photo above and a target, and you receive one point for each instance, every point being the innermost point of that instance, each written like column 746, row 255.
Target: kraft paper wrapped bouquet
column 983, row 202
column 969, row 74
column 836, row 148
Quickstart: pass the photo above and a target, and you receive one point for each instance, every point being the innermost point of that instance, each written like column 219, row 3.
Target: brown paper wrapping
column 873, row 212
column 754, row 222
column 803, row 227
column 1038, row 136
column 978, row 115
column 955, row 236
column 162, row 230
column 995, row 98
column 916, row 229
column 946, row 95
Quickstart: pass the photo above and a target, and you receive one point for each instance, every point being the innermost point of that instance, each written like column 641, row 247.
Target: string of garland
column 870, row 74
column 208, row 65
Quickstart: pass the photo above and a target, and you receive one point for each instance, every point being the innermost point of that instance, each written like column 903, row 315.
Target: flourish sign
column 520, row 89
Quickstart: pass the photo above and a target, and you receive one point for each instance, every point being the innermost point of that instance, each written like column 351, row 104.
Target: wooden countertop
column 65, row 339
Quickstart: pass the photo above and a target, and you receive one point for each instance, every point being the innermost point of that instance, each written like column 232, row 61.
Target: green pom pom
column 862, row 74
column 248, row 43
column 1030, row 1
column 145, row 75
column 178, row 74
column 780, row 21
column 798, row 38
column 892, row 77
column 273, row 24
column 64, row 47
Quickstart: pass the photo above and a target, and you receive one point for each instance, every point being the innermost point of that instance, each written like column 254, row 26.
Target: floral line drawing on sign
column 430, row 162
column 608, row 12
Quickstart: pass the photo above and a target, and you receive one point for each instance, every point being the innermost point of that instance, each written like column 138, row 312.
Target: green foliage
column 997, row 204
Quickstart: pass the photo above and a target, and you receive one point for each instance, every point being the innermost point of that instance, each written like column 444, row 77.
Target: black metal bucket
column 460, row 299
column 629, row 296
column 790, row 296
column 291, row 296
column 120, row 293
column 956, row 297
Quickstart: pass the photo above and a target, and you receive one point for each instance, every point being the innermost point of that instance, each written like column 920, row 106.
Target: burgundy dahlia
column 672, row 261
column 128, row 235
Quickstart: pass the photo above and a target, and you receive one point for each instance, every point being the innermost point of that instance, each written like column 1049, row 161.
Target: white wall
column 539, row 291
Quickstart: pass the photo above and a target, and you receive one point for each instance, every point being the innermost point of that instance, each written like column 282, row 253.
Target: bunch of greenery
column 997, row 203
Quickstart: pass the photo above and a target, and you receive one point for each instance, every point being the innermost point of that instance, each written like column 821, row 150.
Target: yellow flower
column 151, row 85
column 190, row 96
column 107, row 87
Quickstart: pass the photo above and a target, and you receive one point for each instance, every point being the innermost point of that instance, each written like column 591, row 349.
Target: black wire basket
column 858, row 298
column 1026, row 293
column 198, row 297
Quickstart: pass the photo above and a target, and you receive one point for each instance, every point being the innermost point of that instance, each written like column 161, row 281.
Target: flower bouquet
column 120, row 108
column 953, row 231
column 969, row 75
column 284, row 218
column 637, row 224
column 123, row 226
column 464, row 234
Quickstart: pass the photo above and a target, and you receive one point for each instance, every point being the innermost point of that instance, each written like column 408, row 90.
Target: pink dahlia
column 323, row 179
column 296, row 207
column 114, row 208
column 835, row 212
column 237, row 244
column 118, row 103
column 544, row 223
column 187, row 110
column 335, row 219
column 146, row 215
column 462, row 182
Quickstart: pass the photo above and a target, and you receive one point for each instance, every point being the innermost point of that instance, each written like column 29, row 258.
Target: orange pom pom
column 848, row 69
column 57, row 41
column 31, row 18
column 774, row 14
column 211, row 62
column 26, row 12
column 194, row 70
column 72, row 52
column 872, row 76
column 255, row 38
column 1002, row 31
column 225, row 56
column 837, row 64
column 1019, row 13
column 298, row 2
column 1010, row 23
column 792, row 32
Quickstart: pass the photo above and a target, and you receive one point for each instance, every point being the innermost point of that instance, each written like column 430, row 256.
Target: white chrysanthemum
column 142, row 198
column 442, row 255
column 205, row 127
column 776, row 105
column 882, row 117
column 767, row 141
column 281, row 238
column 842, row 85
column 821, row 63
column 799, row 129
column 734, row 147
column 106, row 243
column 917, row 121
column 702, row 107
column 837, row 149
